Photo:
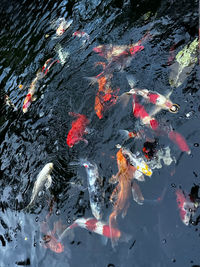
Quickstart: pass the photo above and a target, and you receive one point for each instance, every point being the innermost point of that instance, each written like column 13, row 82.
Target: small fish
column 186, row 207
column 63, row 55
column 31, row 91
column 62, row 25
column 179, row 140
column 49, row 239
column 137, row 162
column 95, row 184
column 78, row 129
column 43, row 179
column 48, row 64
column 98, row 227
column 9, row 102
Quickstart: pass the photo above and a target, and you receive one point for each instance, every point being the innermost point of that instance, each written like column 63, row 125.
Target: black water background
column 29, row 141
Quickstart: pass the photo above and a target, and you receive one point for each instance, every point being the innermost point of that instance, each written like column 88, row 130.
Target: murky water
column 30, row 140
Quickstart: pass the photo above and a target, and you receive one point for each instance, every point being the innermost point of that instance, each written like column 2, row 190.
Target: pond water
column 32, row 139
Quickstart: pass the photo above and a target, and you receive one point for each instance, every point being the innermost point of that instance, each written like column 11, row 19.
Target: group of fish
column 131, row 166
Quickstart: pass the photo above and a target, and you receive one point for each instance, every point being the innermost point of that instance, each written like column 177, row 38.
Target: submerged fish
column 95, row 188
column 98, row 227
column 78, row 129
column 186, row 206
column 138, row 162
column 61, row 25
column 185, row 61
column 49, row 239
column 43, row 179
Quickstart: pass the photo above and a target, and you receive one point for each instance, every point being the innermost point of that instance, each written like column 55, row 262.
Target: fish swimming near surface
column 95, row 188
column 138, row 162
column 43, row 179
column 78, row 129
column 160, row 101
column 186, row 206
column 122, row 191
column 30, row 97
column 98, row 227
column 61, row 25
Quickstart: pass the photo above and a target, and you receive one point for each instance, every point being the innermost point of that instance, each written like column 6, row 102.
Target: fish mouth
column 174, row 108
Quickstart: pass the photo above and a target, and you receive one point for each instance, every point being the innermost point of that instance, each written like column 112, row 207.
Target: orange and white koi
column 49, row 239
column 78, row 129
column 62, row 26
column 94, row 225
column 138, row 162
column 186, row 206
column 122, row 191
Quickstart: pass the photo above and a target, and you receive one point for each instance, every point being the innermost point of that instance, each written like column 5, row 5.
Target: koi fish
column 98, row 227
column 62, row 25
column 43, row 179
column 122, row 191
column 95, row 184
column 161, row 101
column 186, row 207
column 49, row 239
column 179, row 140
column 78, row 129
column 140, row 112
column 9, row 102
column 138, row 163
column 30, row 96
column 39, row 75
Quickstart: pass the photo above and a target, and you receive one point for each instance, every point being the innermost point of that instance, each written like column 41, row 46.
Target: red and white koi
column 140, row 112
column 93, row 225
column 48, row 64
column 186, row 207
column 78, row 129
column 179, row 140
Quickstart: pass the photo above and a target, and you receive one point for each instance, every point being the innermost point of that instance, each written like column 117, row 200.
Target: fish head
column 50, row 165
column 51, row 242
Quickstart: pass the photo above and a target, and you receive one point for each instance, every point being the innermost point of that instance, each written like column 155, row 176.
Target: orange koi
column 78, row 129
column 123, row 189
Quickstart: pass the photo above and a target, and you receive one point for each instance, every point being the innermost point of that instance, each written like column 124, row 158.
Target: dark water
column 29, row 141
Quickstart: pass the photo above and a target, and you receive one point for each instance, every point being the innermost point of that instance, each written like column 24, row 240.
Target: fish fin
column 34, row 98
column 125, row 134
column 131, row 80
column 88, row 130
column 125, row 237
column 124, row 99
column 139, row 176
column 137, row 194
column 114, row 179
column 92, row 80
column 84, row 140
column 154, row 111
column 69, row 233
column 104, row 240
column 48, row 182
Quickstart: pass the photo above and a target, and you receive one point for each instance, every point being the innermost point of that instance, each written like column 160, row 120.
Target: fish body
column 94, row 188
column 42, row 179
column 62, row 26
column 186, row 207
column 93, row 225
column 179, row 140
column 137, row 162
column 49, row 239
column 122, row 191
column 156, row 99
column 78, row 129
column 140, row 112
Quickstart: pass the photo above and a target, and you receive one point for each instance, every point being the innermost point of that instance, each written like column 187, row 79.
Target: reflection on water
column 30, row 140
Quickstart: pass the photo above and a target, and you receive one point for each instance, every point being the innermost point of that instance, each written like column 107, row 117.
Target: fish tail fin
column 126, row 134
column 68, row 232
column 125, row 237
column 124, row 99
column 92, row 80
column 131, row 80
column 113, row 224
